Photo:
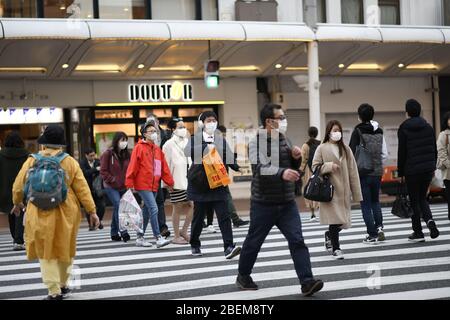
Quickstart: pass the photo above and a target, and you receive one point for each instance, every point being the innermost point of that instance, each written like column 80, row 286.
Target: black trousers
column 223, row 218
column 160, row 199
column 417, row 189
column 16, row 227
column 334, row 230
column 447, row 195
column 100, row 206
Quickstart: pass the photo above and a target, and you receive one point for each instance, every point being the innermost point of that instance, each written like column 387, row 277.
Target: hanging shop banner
column 31, row 115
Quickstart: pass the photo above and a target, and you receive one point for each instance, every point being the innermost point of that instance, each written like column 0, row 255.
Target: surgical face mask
column 210, row 127
column 336, row 136
column 123, row 145
column 151, row 136
column 282, row 126
column 181, row 132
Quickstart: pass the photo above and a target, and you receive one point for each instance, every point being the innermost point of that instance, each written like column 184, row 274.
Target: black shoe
column 66, row 292
column 165, row 232
column 125, row 237
column 196, row 252
column 91, row 228
column 311, row 287
column 414, row 237
column 434, row 232
column 232, row 251
column 100, row 226
column 57, row 297
column 246, row 283
column 116, row 238
column 240, row 223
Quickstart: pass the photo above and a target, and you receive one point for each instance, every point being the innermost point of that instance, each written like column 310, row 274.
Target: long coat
column 345, row 181
column 444, row 153
column 307, row 175
column 52, row 234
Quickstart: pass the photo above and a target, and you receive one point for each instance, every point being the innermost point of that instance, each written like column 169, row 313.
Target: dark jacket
column 11, row 161
column 90, row 173
column 112, row 170
column 417, row 151
column 374, row 140
column 268, row 185
column 196, row 150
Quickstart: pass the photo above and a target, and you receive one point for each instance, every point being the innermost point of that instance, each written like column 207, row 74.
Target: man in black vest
column 417, row 155
column 275, row 167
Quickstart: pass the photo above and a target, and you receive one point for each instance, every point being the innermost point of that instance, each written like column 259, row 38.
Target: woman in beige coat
column 443, row 162
column 50, row 235
column 336, row 160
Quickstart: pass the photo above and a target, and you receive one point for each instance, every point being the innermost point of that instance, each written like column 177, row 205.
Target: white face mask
column 181, row 132
column 151, row 136
column 210, row 127
column 123, row 145
column 336, row 136
column 282, row 126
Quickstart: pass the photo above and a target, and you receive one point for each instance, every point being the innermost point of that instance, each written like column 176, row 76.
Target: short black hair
column 313, row 132
column 14, row 140
column 89, row 151
column 445, row 118
column 172, row 124
column 222, row 129
column 366, row 112
column 208, row 114
column 267, row 112
column 413, row 108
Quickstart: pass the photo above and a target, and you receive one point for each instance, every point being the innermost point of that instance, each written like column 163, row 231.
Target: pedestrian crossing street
column 394, row 269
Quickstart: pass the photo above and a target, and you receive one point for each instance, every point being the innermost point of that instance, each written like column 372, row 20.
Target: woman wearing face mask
column 147, row 167
column 336, row 160
column 178, row 163
column 113, row 167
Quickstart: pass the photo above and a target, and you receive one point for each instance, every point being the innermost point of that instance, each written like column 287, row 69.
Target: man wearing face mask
column 147, row 167
column 206, row 138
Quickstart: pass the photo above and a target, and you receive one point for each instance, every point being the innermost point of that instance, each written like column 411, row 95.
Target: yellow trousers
column 55, row 274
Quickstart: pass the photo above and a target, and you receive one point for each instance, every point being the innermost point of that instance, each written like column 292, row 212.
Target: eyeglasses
column 279, row 118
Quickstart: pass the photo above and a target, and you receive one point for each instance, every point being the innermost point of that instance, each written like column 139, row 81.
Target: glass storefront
column 164, row 10
column 74, row 9
column 18, row 9
column 122, row 9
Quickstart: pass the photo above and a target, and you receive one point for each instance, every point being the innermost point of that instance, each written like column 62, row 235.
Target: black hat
column 53, row 136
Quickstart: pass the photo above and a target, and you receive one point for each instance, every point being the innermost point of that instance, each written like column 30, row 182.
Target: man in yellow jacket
column 50, row 235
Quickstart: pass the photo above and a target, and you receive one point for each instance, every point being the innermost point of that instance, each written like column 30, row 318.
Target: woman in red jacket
column 147, row 167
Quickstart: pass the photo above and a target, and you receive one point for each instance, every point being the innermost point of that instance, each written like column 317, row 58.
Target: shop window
column 123, row 9
column 192, row 112
column 113, row 114
column 74, row 9
column 209, row 9
column 352, row 11
column 160, row 113
column 174, row 9
column 446, row 11
column 389, row 11
column 321, row 11
column 104, row 134
column 18, row 9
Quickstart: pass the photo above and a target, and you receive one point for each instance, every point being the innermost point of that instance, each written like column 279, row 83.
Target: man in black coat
column 91, row 170
column 416, row 162
column 275, row 166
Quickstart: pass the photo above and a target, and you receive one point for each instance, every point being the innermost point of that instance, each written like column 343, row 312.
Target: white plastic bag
column 130, row 213
column 437, row 180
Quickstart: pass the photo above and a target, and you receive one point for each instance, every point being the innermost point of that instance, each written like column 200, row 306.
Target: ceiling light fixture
column 364, row 66
column 278, row 66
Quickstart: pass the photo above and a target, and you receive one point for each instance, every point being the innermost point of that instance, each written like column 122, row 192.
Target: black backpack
column 312, row 149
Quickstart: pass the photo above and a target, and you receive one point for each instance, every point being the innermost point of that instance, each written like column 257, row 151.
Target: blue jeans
column 286, row 217
column 370, row 206
column 149, row 199
column 114, row 196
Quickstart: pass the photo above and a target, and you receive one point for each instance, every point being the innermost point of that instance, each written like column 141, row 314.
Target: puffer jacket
column 417, row 151
column 147, row 167
column 268, row 185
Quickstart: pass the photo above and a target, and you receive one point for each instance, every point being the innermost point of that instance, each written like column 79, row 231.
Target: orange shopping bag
column 216, row 172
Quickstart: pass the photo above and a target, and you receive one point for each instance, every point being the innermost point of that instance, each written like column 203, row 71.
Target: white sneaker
column 313, row 219
column 338, row 255
column 161, row 242
column 18, row 247
column 211, row 229
column 141, row 242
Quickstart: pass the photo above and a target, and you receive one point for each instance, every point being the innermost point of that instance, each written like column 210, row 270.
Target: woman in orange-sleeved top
column 147, row 167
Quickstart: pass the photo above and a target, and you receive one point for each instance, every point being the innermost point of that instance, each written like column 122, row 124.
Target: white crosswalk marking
column 115, row 270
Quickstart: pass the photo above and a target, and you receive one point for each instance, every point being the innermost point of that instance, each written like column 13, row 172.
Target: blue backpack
column 46, row 186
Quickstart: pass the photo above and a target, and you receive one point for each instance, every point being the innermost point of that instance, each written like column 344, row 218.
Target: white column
column 371, row 12
column 333, row 8
column 437, row 106
column 314, row 85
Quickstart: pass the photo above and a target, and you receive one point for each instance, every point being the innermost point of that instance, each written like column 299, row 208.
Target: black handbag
column 319, row 188
column 97, row 186
column 402, row 206
column 363, row 156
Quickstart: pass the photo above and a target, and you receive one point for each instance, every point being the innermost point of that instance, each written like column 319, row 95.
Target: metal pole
column 314, row 85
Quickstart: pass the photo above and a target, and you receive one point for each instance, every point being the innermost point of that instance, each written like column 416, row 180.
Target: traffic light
column 212, row 77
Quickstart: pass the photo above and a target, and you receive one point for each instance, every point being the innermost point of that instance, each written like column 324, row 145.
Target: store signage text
column 30, row 115
column 157, row 92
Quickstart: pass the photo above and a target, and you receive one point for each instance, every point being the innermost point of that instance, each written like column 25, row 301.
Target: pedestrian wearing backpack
column 443, row 162
column 336, row 160
column 12, row 157
column 147, row 167
column 369, row 134
column 51, row 234
column 416, row 162
column 113, row 168
column 308, row 150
